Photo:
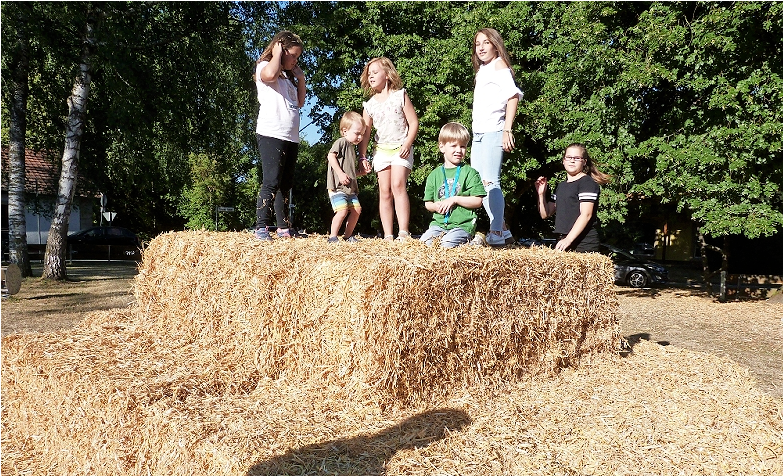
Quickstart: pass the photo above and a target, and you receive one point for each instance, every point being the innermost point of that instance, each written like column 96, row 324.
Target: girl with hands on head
column 281, row 89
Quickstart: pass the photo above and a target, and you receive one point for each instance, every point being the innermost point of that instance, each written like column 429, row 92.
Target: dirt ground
column 746, row 331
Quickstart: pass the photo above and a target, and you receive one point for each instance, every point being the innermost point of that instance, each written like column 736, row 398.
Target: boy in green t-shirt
column 453, row 191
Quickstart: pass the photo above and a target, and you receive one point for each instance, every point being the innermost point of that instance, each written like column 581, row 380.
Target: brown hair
column 393, row 77
column 498, row 43
column 349, row 119
column 287, row 40
column 454, row 131
column 589, row 167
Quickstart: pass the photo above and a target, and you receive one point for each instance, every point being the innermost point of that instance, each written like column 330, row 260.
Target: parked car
column 632, row 270
column 643, row 248
column 104, row 243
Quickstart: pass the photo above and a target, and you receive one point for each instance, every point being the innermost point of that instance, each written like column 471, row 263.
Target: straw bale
column 397, row 322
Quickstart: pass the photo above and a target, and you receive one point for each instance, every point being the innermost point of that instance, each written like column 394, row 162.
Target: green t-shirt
column 469, row 184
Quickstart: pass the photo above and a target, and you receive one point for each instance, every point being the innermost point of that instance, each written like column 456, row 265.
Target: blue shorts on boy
column 341, row 201
column 469, row 184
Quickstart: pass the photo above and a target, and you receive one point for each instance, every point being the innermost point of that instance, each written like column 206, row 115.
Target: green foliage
column 680, row 101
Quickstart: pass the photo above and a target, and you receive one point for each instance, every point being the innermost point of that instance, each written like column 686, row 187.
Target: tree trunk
column 707, row 274
column 54, row 258
column 17, row 225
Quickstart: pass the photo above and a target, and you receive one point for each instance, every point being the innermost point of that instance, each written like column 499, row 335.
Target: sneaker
column 389, row 238
column 508, row 237
column 479, row 240
column 283, row 234
column 351, row 239
column 262, row 234
column 403, row 236
column 332, row 239
column 494, row 239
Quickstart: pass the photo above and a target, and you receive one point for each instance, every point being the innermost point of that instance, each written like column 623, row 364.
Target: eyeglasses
column 572, row 159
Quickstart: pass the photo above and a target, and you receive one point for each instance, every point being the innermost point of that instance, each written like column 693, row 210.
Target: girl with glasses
column 577, row 200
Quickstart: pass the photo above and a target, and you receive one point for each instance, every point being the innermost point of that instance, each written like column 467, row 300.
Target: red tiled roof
column 42, row 172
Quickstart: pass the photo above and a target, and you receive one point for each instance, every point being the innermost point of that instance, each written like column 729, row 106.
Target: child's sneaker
column 403, row 235
column 262, row 234
column 508, row 237
column 495, row 239
column 284, row 233
column 479, row 240
column 351, row 239
column 332, row 239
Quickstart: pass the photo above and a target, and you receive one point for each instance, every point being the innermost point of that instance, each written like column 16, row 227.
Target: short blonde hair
column 349, row 119
column 454, row 132
column 393, row 77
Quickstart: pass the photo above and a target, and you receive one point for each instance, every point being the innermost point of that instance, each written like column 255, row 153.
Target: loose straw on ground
column 221, row 369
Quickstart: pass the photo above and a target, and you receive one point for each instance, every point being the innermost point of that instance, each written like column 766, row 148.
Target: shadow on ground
column 366, row 454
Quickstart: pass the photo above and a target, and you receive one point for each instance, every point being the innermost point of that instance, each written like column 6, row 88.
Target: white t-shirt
column 278, row 108
column 492, row 91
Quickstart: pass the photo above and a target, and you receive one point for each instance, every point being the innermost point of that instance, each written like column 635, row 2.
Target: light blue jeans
column 487, row 151
column 448, row 239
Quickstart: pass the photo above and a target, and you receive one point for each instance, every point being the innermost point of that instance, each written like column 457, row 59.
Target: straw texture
column 398, row 322
column 215, row 374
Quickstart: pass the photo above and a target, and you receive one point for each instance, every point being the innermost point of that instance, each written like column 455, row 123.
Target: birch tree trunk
column 54, row 258
column 17, row 224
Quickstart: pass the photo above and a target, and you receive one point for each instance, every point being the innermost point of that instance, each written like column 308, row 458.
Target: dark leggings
column 277, row 169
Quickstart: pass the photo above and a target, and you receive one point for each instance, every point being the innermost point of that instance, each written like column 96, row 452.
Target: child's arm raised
column 271, row 70
column 546, row 208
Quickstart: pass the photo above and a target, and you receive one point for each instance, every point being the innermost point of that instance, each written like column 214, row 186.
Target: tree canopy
column 680, row 101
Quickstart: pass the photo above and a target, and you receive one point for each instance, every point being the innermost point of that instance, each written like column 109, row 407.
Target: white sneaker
column 495, row 240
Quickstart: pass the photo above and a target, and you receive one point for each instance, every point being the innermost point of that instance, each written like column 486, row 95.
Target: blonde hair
column 454, row 131
column 287, row 40
column 349, row 119
column 589, row 167
column 393, row 77
column 498, row 43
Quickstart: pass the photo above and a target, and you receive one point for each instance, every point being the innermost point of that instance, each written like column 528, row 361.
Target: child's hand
column 277, row 50
column 364, row 167
column 405, row 149
column 445, row 206
column 344, row 179
column 541, row 185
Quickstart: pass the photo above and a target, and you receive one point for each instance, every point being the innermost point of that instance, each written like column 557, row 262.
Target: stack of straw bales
column 399, row 322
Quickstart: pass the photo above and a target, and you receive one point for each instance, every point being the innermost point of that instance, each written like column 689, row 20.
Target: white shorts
column 390, row 155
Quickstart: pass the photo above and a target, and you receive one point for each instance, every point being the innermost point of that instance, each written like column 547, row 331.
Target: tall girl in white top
column 390, row 111
column 495, row 105
column 280, row 87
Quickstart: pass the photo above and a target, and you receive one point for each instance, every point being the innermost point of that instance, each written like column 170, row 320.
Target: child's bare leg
column 337, row 221
column 386, row 206
column 402, row 204
column 353, row 217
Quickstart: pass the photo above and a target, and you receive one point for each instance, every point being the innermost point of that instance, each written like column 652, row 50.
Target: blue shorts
column 341, row 201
